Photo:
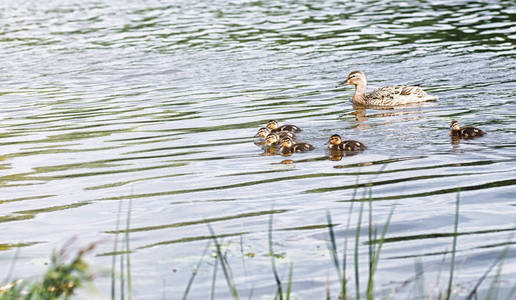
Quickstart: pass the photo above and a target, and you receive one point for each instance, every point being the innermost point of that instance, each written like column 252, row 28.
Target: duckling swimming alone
column 385, row 96
column 464, row 132
column 288, row 146
column 336, row 143
column 274, row 127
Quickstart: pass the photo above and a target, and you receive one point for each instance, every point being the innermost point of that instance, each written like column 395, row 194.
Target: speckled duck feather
column 397, row 95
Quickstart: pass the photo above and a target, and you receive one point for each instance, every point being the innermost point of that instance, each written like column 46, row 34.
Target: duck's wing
column 469, row 132
column 398, row 95
column 352, row 145
column 289, row 128
column 301, row 147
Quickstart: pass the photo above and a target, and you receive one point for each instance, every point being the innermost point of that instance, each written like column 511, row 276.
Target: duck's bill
column 343, row 83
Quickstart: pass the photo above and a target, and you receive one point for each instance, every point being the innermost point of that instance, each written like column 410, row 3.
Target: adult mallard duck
column 288, row 146
column 336, row 143
column 273, row 125
column 464, row 132
column 385, row 96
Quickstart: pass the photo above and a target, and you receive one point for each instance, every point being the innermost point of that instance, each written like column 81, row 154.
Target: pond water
column 153, row 106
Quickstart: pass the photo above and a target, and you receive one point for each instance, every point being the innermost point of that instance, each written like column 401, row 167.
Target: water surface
column 157, row 103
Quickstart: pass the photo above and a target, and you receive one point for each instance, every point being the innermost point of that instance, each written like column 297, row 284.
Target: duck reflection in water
column 361, row 116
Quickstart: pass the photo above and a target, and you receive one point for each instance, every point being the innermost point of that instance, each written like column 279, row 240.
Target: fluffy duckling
column 336, row 143
column 272, row 139
column 464, row 132
column 288, row 146
column 274, row 127
column 385, row 96
column 263, row 132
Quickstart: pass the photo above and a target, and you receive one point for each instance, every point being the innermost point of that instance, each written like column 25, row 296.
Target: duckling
column 274, row 127
column 263, row 132
column 385, row 96
column 288, row 146
column 464, row 132
column 336, row 143
column 272, row 139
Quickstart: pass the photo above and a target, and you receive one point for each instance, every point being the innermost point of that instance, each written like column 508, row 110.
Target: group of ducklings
column 283, row 138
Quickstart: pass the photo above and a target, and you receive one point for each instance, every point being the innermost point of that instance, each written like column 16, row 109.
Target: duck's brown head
column 287, row 142
column 263, row 132
column 335, row 139
column 272, row 124
column 454, row 125
column 356, row 78
column 272, row 138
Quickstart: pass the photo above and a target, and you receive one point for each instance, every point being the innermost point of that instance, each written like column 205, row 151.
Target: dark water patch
column 26, row 198
column 488, row 185
column 34, row 212
column 9, row 246
column 122, row 183
column 191, row 239
column 440, row 235
column 203, row 221
column 88, row 174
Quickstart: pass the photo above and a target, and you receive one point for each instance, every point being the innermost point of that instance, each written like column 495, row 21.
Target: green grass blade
column 194, row 273
column 251, row 293
column 122, row 277
column 327, row 287
column 115, row 249
column 357, row 242
column 273, row 261
column 223, row 264
column 214, row 278
column 484, row 276
column 332, row 246
column 493, row 289
column 454, row 248
column 370, row 234
column 242, row 254
column 420, row 280
column 11, row 267
column 376, row 257
column 345, row 252
column 128, row 251
column 512, row 292
column 289, row 283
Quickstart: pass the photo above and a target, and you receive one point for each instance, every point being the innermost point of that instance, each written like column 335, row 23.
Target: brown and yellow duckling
column 466, row 132
column 264, row 132
column 272, row 140
column 288, row 146
column 273, row 125
column 336, row 143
